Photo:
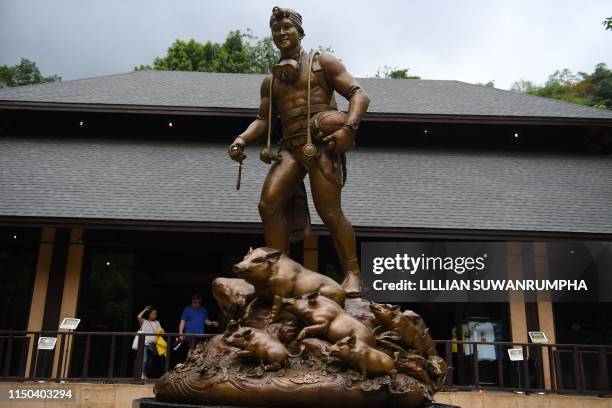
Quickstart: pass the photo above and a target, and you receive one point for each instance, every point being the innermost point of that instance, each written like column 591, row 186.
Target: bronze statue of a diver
column 285, row 93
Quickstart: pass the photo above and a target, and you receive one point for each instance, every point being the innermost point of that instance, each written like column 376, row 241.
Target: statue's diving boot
column 352, row 283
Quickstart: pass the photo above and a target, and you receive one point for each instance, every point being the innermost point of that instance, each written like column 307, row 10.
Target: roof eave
column 255, row 228
column 251, row 112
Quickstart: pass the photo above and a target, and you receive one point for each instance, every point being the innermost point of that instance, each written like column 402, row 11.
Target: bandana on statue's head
column 279, row 13
column 287, row 70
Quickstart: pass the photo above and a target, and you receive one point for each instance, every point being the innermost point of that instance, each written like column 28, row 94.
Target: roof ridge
column 410, row 79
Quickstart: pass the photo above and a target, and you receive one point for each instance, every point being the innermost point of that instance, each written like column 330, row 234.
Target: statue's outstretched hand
column 341, row 141
column 236, row 150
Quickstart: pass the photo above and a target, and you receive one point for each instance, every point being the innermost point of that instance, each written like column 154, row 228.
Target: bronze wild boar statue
column 368, row 361
column 409, row 326
column 326, row 319
column 258, row 345
column 273, row 273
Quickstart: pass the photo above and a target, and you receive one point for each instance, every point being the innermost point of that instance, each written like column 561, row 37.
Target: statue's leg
column 326, row 194
column 281, row 182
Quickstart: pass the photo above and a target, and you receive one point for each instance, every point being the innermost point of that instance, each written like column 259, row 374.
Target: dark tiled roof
column 189, row 181
column 241, row 91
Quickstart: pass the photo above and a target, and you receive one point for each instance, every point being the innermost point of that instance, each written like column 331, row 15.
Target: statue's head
column 286, row 26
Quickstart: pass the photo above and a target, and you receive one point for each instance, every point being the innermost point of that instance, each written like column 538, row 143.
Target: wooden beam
column 39, row 293
column 545, row 309
column 518, row 317
column 70, row 294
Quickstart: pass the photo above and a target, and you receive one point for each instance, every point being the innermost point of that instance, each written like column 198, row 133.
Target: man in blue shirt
column 193, row 321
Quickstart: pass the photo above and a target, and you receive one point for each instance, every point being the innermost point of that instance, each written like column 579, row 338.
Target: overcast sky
column 467, row 40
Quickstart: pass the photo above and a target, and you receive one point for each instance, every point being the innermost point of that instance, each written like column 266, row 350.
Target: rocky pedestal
column 219, row 374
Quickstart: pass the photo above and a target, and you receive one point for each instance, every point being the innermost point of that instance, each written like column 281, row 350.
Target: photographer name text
column 482, row 285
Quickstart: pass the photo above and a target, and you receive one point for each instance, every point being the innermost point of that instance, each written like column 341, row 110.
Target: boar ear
column 352, row 340
column 232, row 326
column 248, row 333
column 312, row 297
column 395, row 308
column 250, row 251
column 273, row 255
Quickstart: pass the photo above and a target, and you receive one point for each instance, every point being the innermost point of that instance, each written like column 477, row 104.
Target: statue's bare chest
column 291, row 95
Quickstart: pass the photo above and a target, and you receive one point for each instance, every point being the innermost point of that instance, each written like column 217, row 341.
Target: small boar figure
column 409, row 326
column 368, row 361
column 272, row 273
column 258, row 345
column 275, row 275
column 232, row 296
column 326, row 319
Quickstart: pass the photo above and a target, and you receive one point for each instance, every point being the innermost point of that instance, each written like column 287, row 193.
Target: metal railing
column 108, row 357
column 545, row 368
column 80, row 356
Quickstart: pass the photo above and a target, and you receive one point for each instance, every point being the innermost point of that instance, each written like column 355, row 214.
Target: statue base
column 152, row 403
column 221, row 373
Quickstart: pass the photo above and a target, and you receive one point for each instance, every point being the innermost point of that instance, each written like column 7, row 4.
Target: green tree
column 240, row 52
column 523, row 86
column 24, row 73
column 593, row 89
column 395, row 73
column 600, row 82
column 608, row 23
column 490, row 84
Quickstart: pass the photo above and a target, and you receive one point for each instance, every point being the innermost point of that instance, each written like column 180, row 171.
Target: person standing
column 194, row 320
column 147, row 319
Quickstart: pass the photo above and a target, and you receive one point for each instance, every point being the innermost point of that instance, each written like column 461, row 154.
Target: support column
column 311, row 253
column 70, row 294
column 72, row 282
column 518, row 317
column 39, row 293
column 545, row 308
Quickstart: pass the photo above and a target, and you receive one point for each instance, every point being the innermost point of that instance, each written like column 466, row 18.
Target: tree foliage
column 395, row 73
column 593, row 89
column 490, row 84
column 608, row 23
column 24, row 73
column 240, row 52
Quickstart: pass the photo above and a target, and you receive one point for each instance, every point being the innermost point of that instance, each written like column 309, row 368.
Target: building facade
column 117, row 192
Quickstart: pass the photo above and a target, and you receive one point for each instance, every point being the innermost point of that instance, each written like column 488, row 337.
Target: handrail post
column 559, row 371
column 576, row 369
column 526, row 368
column 168, row 353
column 85, row 371
column 500, row 367
column 34, row 362
column 9, row 353
column 448, row 350
column 551, row 368
column 111, row 363
column 475, row 365
column 60, row 360
column 23, row 364
column 603, row 370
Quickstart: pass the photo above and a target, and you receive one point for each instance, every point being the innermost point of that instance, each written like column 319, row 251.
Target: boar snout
column 238, row 269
